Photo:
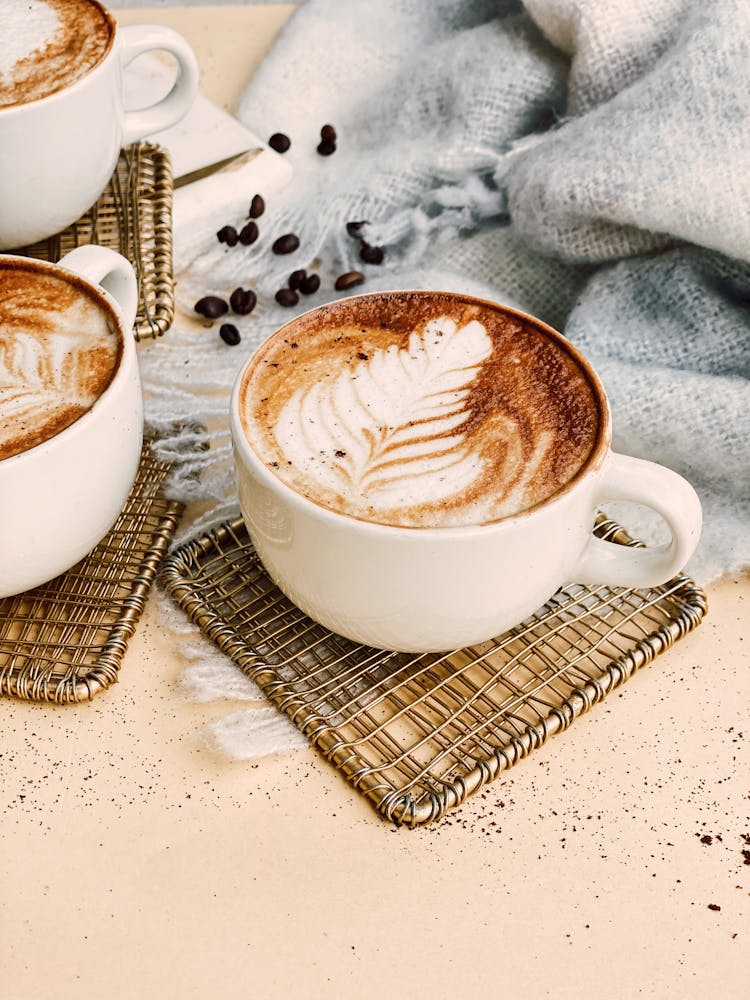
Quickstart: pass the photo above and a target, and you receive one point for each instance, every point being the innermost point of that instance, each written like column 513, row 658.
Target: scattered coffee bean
column 287, row 297
column 296, row 278
column 230, row 334
column 248, row 234
column 257, row 207
column 310, row 284
column 279, row 142
column 371, row 255
column 228, row 235
column 328, row 132
column 211, row 306
column 348, row 280
column 326, row 147
column 287, row 243
column 243, row 301
column 353, row 228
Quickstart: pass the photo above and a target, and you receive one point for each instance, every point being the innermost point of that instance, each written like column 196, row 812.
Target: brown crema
column 421, row 409
column 60, row 349
column 83, row 36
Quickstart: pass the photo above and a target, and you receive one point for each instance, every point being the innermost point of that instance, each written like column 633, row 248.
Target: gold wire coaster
column 417, row 734
column 63, row 642
column 134, row 217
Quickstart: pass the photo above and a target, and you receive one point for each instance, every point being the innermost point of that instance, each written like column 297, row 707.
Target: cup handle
column 139, row 38
column 672, row 497
column 115, row 274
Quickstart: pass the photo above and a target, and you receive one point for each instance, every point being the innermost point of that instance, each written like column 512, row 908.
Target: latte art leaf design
column 387, row 431
column 56, row 368
column 39, row 380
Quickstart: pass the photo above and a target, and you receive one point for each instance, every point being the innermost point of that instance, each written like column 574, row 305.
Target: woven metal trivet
column 134, row 217
column 417, row 734
column 64, row 642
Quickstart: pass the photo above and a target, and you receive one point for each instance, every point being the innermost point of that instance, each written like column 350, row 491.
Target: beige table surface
column 137, row 863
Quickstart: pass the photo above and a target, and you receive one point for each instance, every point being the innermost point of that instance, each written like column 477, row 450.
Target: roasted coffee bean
column 243, row 301
column 328, row 132
column 326, row 147
column 279, row 142
column 230, row 334
column 371, row 255
column 248, row 234
column 228, row 235
column 310, row 284
column 353, row 228
column 211, row 306
column 287, row 243
column 287, row 297
column 296, row 278
column 257, row 207
column 348, row 280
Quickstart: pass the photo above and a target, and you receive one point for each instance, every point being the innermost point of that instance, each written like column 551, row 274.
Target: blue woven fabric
column 587, row 161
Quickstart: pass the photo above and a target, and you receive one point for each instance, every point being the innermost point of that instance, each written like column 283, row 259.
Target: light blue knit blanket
column 587, row 160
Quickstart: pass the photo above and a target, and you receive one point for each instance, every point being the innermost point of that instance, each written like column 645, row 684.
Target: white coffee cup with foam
column 62, row 119
column 71, row 410
column 420, row 471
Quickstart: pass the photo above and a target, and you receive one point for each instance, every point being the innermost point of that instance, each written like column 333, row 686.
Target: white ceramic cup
column 435, row 589
column 59, row 498
column 58, row 153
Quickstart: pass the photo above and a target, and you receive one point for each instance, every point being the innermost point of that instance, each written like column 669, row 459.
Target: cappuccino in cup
column 71, row 411
column 59, row 351
column 420, row 410
column 420, row 471
column 62, row 115
column 48, row 45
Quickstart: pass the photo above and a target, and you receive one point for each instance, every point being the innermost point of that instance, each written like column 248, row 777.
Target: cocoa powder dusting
column 83, row 37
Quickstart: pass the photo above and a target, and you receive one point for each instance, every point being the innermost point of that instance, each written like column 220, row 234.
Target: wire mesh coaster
column 134, row 217
column 417, row 734
column 64, row 642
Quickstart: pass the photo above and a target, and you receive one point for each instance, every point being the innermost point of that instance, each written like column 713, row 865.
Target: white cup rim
column 593, row 463
column 9, row 109
column 128, row 350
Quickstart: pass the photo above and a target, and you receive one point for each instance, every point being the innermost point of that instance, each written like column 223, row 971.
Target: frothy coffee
column 59, row 350
column 420, row 410
column 48, row 45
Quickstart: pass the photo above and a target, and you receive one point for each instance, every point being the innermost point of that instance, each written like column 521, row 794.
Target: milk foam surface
column 393, row 421
column 422, row 411
column 26, row 27
column 59, row 350
column 47, row 45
